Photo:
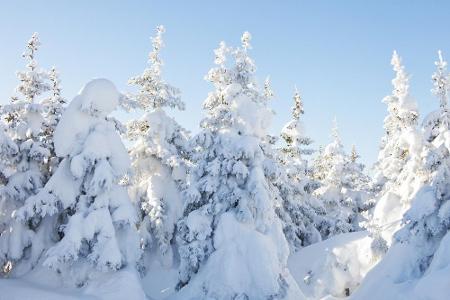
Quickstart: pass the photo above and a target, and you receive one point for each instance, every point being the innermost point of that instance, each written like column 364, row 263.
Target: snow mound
column 77, row 124
column 434, row 284
column 159, row 282
column 43, row 284
column 334, row 267
column 99, row 96
column 252, row 117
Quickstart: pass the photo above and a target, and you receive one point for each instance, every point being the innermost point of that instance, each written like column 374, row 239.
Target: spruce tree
column 25, row 157
column 229, row 221
column 402, row 117
column 419, row 247
column 397, row 171
column 428, row 219
column 302, row 215
column 158, row 156
column 331, row 173
column 91, row 212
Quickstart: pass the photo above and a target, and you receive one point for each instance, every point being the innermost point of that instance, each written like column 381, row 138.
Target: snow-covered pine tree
column 402, row 117
column 25, row 156
column 333, row 173
column 229, row 222
column 428, row 219
column 418, row 256
column 301, row 214
column 398, row 169
column 98, row 229
column 356, row 180
column 158, row 156
column 438, row 119
column 8, row 150
column 297, row 144
column 333, row 158
column 38, row 209
column 318, row 166
column 53, row 107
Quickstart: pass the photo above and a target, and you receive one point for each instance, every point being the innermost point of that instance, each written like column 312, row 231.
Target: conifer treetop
column 245, row 39
column 403, row 107
column 441, row 81
column 335, row 132
column 32, row 46
column 401, row 80
column 268, row 92
column 153, row 91
column 354, row 154
column 32, row 81
column 55, row 85
column 297, row 109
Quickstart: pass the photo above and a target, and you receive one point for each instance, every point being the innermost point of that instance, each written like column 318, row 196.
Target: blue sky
column 336, row 52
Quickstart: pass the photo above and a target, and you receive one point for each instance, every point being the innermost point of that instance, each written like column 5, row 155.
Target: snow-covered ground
column 44, row 285
column 332, row 266
column 322, row 269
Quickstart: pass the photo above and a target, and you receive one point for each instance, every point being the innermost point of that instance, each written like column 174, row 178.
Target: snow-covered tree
column 401, row 119
column 428, row 219
column 25, row 156
column 158, row 156
column 330, row 173
column 334, row 159
column 399, row 166
column 302, row 215
column 438, row 119
column 229, row 221
column 98, row 229
column 355, row 178
column 418, row 256
column 297, row 144
column 342, row 197
column 53, row 107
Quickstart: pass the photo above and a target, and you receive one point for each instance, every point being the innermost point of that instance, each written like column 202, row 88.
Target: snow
column 434, row 284
column 424, row 204
column 160, row 281
column 100, row 138
column 14, row 289
column 388, row 213
column 99, row 96
column 41, row 284
column 248, row 122
column 332, row 266
column 390, row 278
column 199, row 224
column 235, row 268
column 226, row 214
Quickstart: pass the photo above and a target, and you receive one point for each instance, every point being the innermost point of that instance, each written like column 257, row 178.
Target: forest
column 93, row 206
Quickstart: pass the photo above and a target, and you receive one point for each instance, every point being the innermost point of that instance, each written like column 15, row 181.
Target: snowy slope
column 332, row 266
column 15, row 289
column 43, row 285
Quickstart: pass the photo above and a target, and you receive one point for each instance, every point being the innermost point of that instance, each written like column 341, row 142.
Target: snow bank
column 334, row 267
column 43, row 284
column 160, row 281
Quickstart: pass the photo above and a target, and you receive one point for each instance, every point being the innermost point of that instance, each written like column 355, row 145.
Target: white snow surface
column 328, row 268
column 237, row 267
column 43, row 284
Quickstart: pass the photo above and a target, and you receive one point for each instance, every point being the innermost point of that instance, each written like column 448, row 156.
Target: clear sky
column 336, row 52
